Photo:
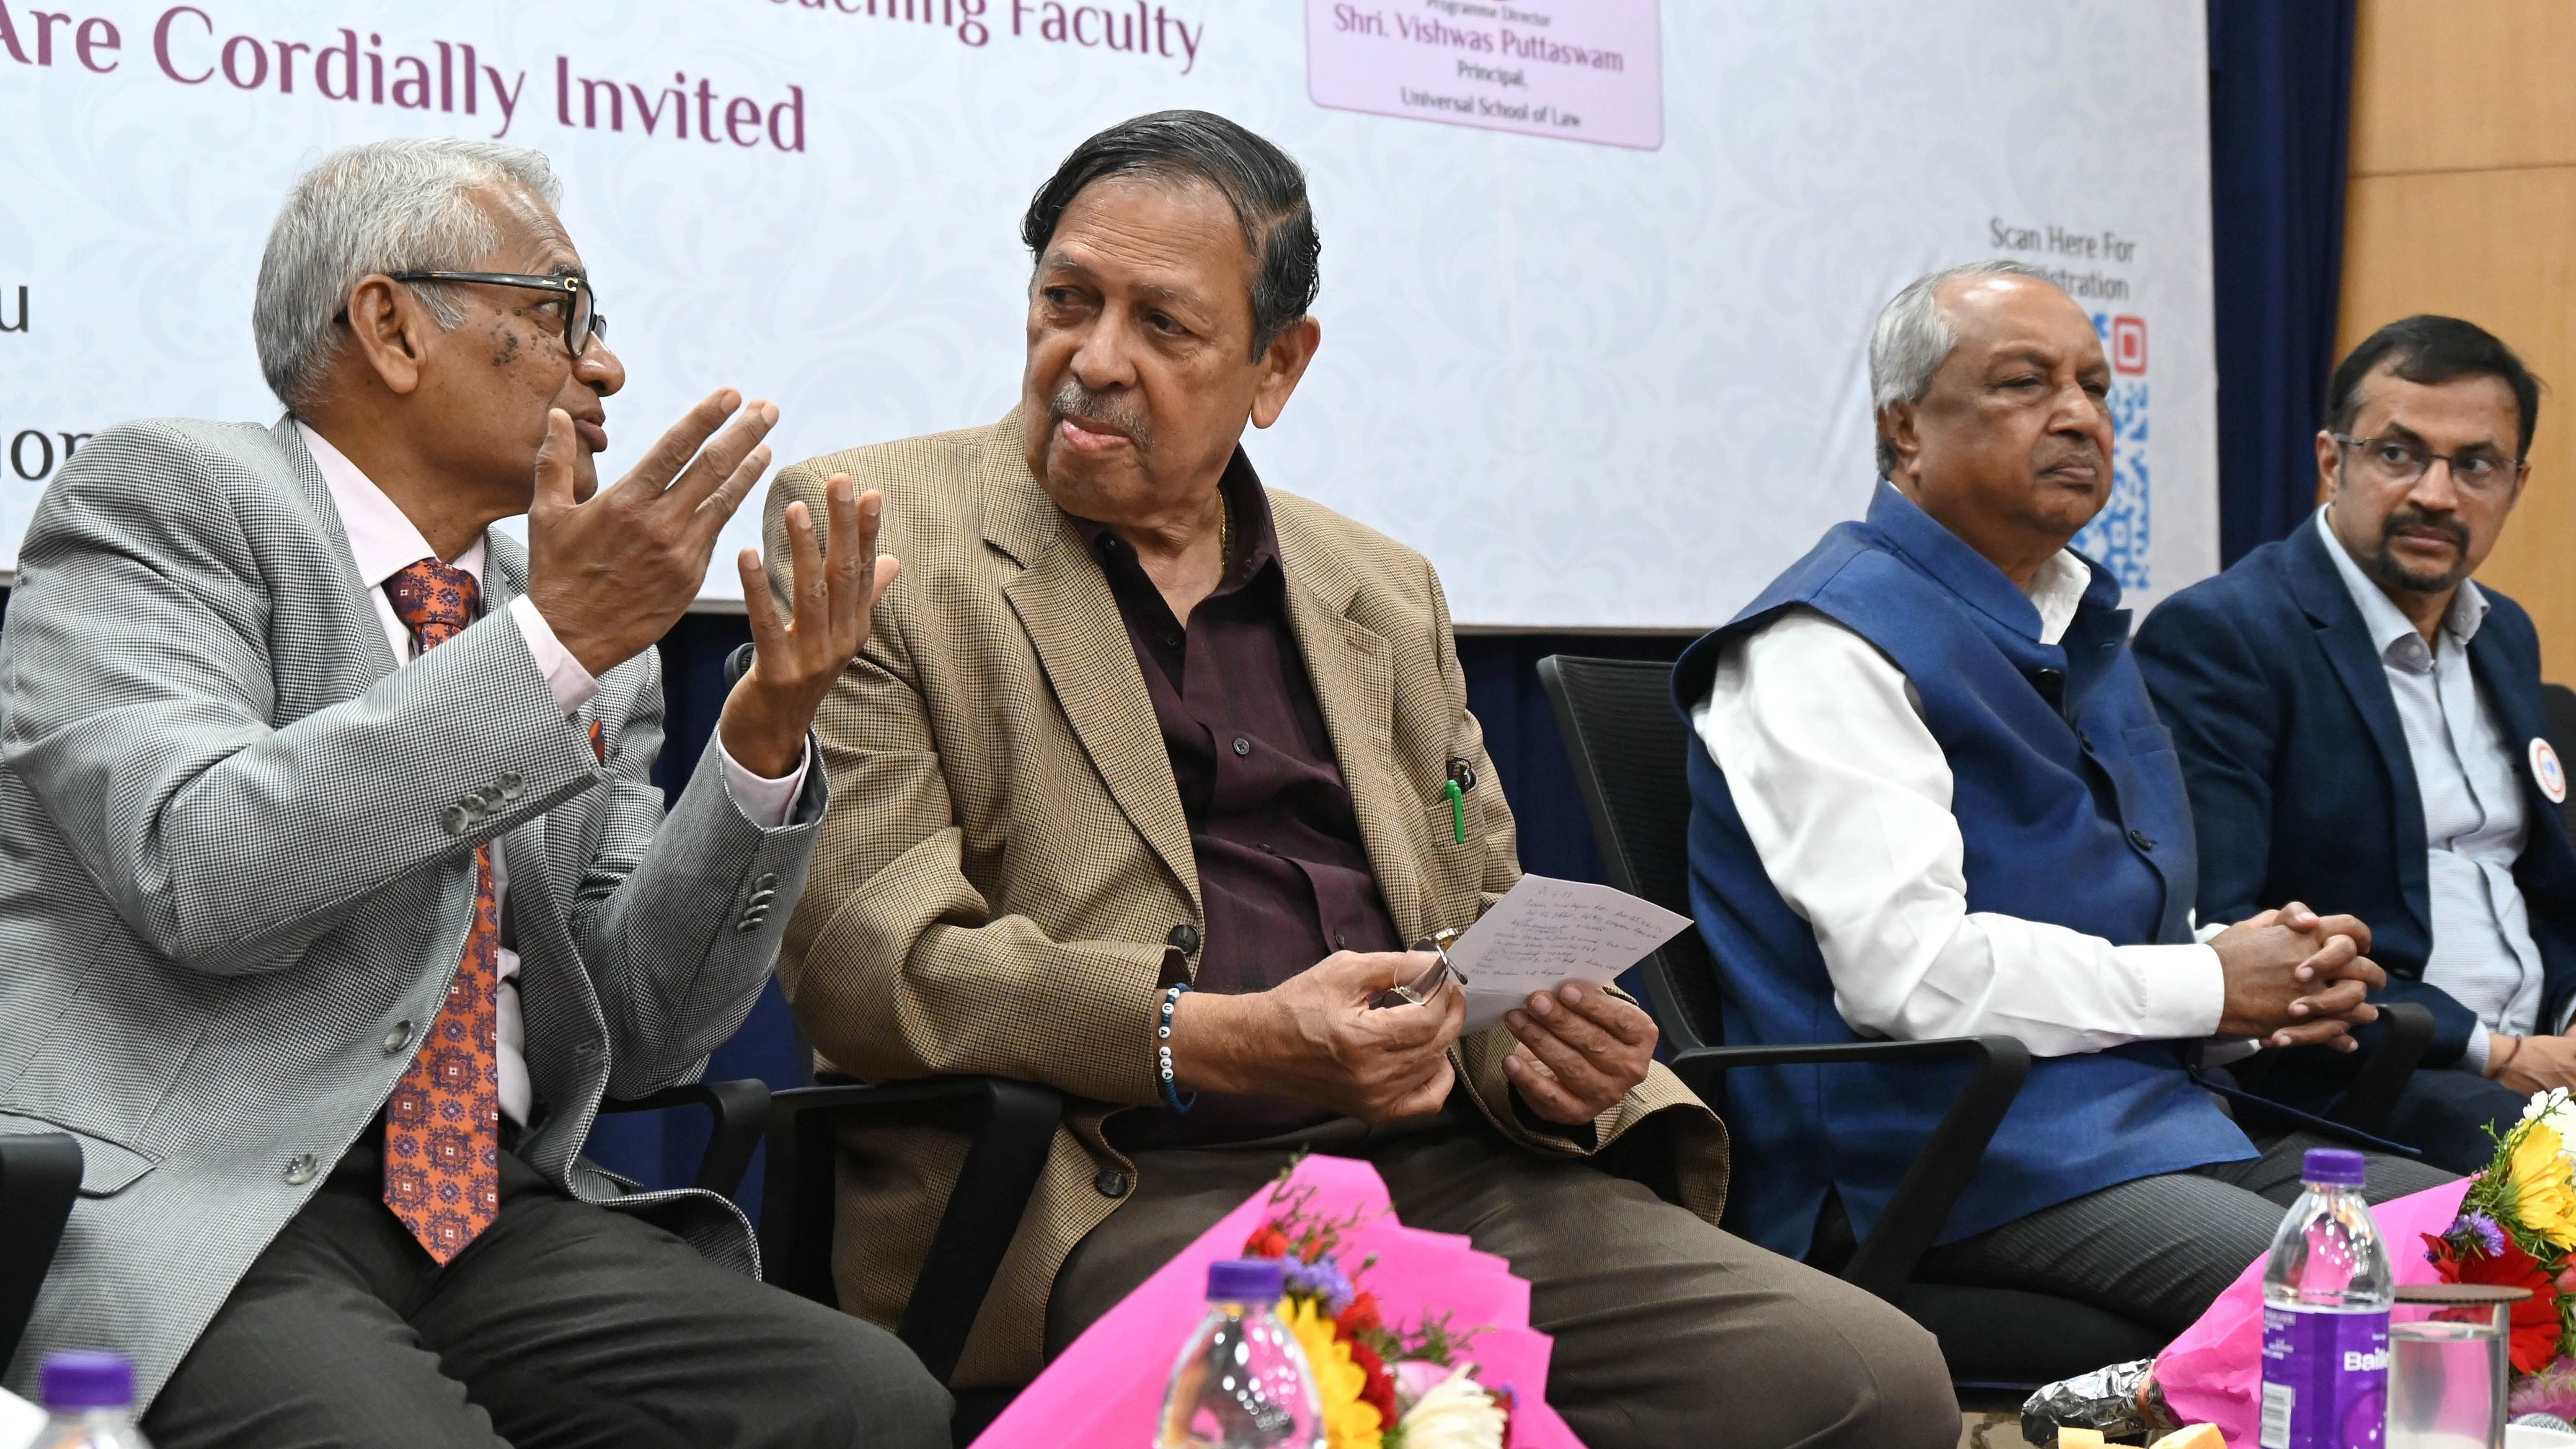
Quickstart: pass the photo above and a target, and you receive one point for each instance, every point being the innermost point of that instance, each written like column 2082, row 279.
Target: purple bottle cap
column 83, row 1379
column 2334, row 1166
column 1247, row 1280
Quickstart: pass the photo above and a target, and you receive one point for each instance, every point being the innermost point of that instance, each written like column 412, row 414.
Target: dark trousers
column 563, row 1324
column 2447, row 1112
column 2160, row 1249
column 1668, row 1331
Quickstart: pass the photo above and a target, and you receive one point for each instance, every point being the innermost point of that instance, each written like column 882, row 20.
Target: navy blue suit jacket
column 2301, row 784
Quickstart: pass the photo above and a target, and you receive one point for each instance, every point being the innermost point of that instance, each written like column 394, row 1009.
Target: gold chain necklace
column 1224, row 536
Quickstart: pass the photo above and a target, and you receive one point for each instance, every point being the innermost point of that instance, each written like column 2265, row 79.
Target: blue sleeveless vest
column 2070, row 799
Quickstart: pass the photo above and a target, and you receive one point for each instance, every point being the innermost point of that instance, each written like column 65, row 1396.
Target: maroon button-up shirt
column 1282, row 871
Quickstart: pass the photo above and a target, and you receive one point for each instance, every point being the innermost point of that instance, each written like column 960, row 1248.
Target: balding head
column 2007, row 440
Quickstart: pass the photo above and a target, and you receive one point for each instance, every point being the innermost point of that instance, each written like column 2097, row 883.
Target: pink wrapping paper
column 2213, row 1374
column 1105, row 1389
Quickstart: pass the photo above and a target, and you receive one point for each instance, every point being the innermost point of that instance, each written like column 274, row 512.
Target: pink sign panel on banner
column 1579, row 70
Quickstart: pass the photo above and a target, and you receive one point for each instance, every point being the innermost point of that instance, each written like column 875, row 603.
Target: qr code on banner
column 2117, row 536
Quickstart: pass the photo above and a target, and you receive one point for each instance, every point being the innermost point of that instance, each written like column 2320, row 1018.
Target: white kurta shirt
column 2470, row 777
column 383, row 541
column 1846, row 796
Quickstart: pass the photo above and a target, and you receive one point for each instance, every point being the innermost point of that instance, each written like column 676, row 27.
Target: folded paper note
column 1106, row 1388
column 1546, row 932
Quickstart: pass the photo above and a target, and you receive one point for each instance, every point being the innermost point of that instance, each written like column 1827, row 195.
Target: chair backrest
column 1629, row 749
column 2558, row 706
column 39, row 1179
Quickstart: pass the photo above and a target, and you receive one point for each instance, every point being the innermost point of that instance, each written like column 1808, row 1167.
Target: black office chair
column 39, row 1178
column 738, row 1113
column 1628, row 746
column 1010, row 1129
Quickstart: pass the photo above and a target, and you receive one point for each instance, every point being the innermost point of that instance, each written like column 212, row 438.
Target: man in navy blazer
column 2361, row 729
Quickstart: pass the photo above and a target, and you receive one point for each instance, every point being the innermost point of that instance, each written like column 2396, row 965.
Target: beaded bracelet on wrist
column 1172, row 1096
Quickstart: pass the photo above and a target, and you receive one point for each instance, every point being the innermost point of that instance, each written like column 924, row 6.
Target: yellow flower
column 1349, row 1421
column 2544, row 1184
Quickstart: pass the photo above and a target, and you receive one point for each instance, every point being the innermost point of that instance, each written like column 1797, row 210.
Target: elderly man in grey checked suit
column 334, row 893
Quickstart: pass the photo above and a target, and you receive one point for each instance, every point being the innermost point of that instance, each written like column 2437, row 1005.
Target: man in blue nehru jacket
column 2361, row 725
column 1932, row 799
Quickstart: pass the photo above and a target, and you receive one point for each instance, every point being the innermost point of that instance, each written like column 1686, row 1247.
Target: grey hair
column 1911, row 340
column 385, row 206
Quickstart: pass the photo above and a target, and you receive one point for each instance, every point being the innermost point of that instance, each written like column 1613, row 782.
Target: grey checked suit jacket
column 236, row 858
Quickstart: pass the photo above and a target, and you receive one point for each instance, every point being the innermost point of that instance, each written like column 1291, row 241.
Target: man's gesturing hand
column 795, row 661
column 2295, row 978
column 1581, row 1050
column 614, row 573
column 1314, row 1037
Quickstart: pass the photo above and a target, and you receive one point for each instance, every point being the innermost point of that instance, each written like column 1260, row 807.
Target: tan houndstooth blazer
column 994, row 890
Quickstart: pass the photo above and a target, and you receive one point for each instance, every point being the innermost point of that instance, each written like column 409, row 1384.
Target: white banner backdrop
column 1596, row 278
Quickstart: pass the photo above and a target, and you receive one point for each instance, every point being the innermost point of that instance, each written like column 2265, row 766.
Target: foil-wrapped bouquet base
column 2117, row 1401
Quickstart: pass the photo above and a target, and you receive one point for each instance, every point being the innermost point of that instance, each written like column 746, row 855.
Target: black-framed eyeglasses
column 2400, row 463
column 582, row 318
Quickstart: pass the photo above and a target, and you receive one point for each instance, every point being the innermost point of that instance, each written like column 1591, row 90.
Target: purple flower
column 1322, row 1279
column 2475, row 1228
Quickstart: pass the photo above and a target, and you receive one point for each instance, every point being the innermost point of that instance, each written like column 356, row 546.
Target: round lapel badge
column 2547, row 772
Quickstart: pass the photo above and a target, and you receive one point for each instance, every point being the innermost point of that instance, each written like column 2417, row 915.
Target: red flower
column 2536, row 1324
column 1379, row 1391
column 1360, row 1317
column 1266, row 1242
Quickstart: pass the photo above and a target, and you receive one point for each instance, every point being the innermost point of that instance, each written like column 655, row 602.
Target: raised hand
column 794, row 661
column 613, row 573
column 1316, row 1038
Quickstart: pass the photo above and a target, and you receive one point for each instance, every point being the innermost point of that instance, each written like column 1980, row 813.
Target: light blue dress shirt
column 2471, row 781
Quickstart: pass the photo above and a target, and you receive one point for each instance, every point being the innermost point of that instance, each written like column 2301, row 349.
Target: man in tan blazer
column 1153, row 761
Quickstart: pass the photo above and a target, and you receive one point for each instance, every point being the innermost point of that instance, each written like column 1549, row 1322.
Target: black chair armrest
column 1886, row 1260
column 39, row 1179
column 741, row 1113
column 2366, row 1104
column 1012, row 1127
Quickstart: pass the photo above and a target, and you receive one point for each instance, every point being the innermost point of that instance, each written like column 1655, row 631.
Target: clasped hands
column 1317, row 1038
column 612, row 573
column 2295, row 978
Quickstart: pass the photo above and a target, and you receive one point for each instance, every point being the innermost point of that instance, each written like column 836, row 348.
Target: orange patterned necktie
column 442, row 1124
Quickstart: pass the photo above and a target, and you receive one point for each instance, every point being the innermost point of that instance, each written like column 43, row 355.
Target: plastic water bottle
column 1243, row 1382
column 2326, row 1295
column 89, row 1402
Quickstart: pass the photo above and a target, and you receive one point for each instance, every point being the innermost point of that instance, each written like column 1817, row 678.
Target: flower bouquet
column 1382, row 1386
column 2517, row 1227
column 1377, row 1307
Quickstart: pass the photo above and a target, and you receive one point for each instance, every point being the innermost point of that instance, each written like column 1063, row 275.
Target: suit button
column 398, row 1038
column 1242, row 746
column 762, row 898
column 767, row 880
column 299, row 1169
column 1184, row 938
column 511, row 784
column 2142, row 840
column 1110, row 1183
column 456, row 819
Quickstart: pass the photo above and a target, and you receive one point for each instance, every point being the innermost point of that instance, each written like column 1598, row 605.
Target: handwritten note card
column 1546, row 932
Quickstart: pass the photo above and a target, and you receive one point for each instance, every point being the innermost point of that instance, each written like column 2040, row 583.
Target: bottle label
column 2325, row 1379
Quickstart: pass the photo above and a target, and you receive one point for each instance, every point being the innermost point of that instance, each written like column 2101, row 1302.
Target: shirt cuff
column 2182, row 990
column 2480, row 1044
column 763, row 801
column 572, row 684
